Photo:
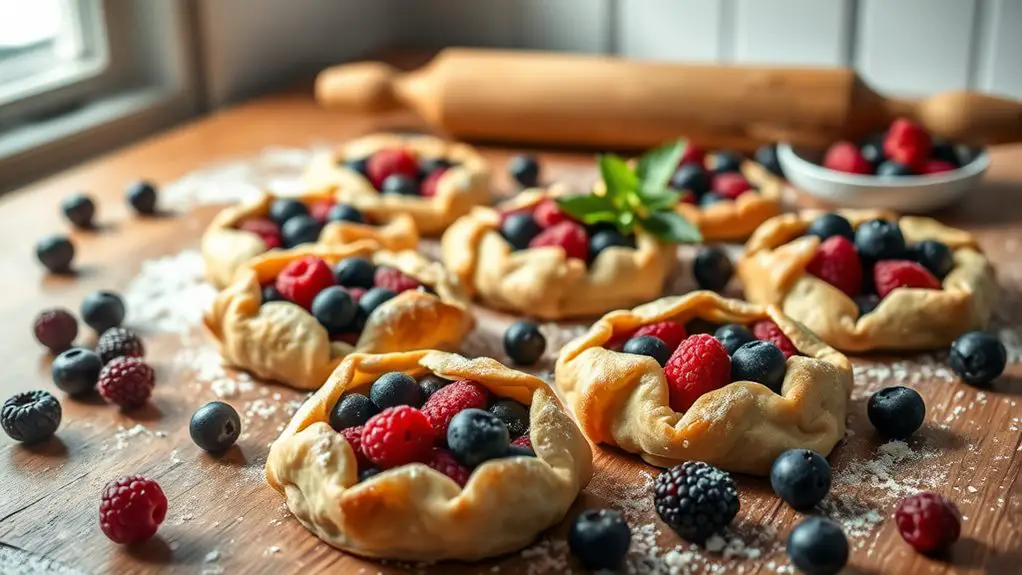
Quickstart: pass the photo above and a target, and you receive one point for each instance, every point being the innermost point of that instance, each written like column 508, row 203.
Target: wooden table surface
column 223, row 518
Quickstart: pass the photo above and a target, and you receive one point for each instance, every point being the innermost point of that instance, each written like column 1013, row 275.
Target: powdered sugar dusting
column 169, row 295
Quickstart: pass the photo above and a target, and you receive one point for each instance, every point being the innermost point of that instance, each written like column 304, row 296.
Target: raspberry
column 767, row 330
column 303, row 278
column 837, row 262
column 846, row 157
column 119, row 342
column 889, row 275
column 320, row 211
column 670, row 332
column 429, row 185
column 394, row 161
column 548, row 214
column 730, row 185
column 56, row 329
column 928, row 521
column 444, row 462
column 933, row 166
column 353, row 435
column 443, row 405
column 265, row 229
column 126, row 381
column 397, row 436
column 394, row 279
column 692, row 155
column 356, row 293
column 131, row 509
column 523, row 441
column 699, row 365
column 907, row 143
column 569, row 236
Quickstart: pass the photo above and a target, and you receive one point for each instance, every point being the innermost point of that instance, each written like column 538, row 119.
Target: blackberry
column 695, row 499
column 119, row 342
column 31, row 417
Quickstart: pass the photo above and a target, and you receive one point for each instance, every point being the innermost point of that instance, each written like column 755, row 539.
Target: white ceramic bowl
column 908, row 194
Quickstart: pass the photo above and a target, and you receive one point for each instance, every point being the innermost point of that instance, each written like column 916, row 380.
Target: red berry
column 928, row 521
column 523, row 441
column 569, row 236
column 302, row 279
column 398, row 436
column 429, row 184
column 356, row 293
column 353, row 435
column 932, row 166
column 127, row 381
column 889, row 275
column 846, row 157
column 445, row 463
column 119, row 342
column 547, row 214
column 699, row 365
column 837, row 262
column 320, row 210
column 907, row 143
column 693, row 155
column 767, row 330
column 687, row 197
column 394, row 279
column 730, row 185
column 386, row 163
column 131, row 509
column 265, row 229
column 670, row 332
column 443, row 405
column 56, row 329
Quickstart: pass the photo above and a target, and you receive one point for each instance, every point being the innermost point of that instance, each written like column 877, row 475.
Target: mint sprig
column 638, row 197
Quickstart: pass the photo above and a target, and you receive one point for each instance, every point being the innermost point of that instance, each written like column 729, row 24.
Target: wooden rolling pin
column 568, row 99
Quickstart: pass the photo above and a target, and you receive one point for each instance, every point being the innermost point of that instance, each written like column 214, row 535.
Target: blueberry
column 710, row 198
column 56, row 253
column 945, row 151
column 355, row 272
column 102, row 310
column 733, row 336
column 429, row 165
column 300, row 230
column 727, row 162
column 345, row 213
column 142, row 197
column 368, row 472
column 801, row 477
column 712, row 268
column 935, row 257
column 352, row 410
column 79, row 209
column 879, row 240
column 830, row 225
column 358, row 165
column 395, row 388
column 519, row 230
column 31, row 416
column 599, row 539
column 648, row 345
column 605, row 239
column 524, row 343
column 896, row 412
column 476, row 436
column 691, row 177
column 400, row 184
column 282, row 210
column 215, row 427
column 524, row 169
column 520, row 451
column 867, row 303
column 334, row 309
column 817, row 546
column 759, row 361
column 373, row 299
column 872, row 150
column 76, row 371
column 890, row 168
column 432, row 384
column 514, row 415
column 766, row 156
column 978, row 358
column 270, row 293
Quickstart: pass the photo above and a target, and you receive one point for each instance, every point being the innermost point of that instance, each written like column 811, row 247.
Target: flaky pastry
column 737, row 219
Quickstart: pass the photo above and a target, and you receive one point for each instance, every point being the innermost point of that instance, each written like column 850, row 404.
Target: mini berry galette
column 736, row 398
column 293, row 315
column 429, row 456
column 865, row 280
column 242, row 232
column 431, row 180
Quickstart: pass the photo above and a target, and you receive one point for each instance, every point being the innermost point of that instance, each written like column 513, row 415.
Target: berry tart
column 292, row 315
column 432, row 180
column 428, row 456
column 756, row 386
column 866, row 280
column 242, row 232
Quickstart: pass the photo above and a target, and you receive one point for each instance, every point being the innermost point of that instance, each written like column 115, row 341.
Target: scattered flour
column 212, row 557
column 124, row 435
column 169, row 294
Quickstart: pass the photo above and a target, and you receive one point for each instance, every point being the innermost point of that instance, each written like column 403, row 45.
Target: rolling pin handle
column 972, row 118
column 366, row 87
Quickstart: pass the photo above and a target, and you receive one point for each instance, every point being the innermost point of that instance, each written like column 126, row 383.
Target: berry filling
column 905, row 149
column 546, row 225
column 292, row 223
column 400, row 171
column 704, row 181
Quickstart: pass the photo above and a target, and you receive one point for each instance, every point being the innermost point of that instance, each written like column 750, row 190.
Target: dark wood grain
column 223, row 518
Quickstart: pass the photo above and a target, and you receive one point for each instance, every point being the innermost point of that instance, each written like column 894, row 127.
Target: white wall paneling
column 999, row 49
column 809, row 32
column 670, row 29
column 568, row 25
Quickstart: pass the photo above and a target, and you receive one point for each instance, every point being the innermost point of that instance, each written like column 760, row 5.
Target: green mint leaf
column 625, row 221
column 617, row 175
column 658, row 165
column 671, row 227
column 585, row 207
column 665, row 201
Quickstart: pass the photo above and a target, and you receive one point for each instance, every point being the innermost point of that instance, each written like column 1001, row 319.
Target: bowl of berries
column 903, row 169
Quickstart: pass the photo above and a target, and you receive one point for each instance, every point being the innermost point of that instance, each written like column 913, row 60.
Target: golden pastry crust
column 225, row 248
column 544, row 282
column 412, row 512
column 736, row 220
column 772, row 270
column 623, row 399
column 463, row 186
column 283, row 342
